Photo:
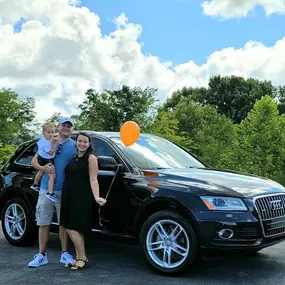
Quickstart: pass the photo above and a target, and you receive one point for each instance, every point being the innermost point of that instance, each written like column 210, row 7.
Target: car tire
column 183, row 250
column 18, row 223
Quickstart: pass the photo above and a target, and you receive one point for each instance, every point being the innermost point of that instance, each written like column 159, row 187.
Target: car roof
column 108, row 134
column 91, row 133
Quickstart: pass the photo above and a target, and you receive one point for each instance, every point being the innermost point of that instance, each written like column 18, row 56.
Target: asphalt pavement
column 120, row 262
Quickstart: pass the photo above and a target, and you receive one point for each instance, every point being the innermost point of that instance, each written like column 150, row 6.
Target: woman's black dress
column 77, row 197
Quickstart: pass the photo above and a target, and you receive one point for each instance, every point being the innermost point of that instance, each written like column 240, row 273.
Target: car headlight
column 224, row 203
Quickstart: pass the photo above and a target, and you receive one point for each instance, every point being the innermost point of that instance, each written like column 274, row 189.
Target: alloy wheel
column 167, row 243
column 15, row 221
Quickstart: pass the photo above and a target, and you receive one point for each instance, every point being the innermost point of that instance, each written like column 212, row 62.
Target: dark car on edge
column 162, row 196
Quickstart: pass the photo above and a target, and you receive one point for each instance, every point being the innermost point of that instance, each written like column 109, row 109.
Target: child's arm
column 53, row 148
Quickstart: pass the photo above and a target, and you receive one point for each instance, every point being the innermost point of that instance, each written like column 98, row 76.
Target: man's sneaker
column 39, row 260
column 52, row 197
column 35, row 187
column 66, row 258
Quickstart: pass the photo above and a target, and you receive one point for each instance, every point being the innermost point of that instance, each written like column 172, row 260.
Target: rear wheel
column 168, row 241
column 18, row 224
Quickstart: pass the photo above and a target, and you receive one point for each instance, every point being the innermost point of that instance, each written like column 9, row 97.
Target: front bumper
column 246, row 228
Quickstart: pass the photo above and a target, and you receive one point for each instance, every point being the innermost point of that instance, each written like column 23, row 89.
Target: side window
column 101, row 148
column 26, row 157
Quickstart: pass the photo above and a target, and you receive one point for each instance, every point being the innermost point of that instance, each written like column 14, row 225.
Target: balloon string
column 111, row 184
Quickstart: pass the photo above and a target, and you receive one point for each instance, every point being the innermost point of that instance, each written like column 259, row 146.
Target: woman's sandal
column 77, row 265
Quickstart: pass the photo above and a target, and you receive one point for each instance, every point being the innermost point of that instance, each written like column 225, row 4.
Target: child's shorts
column 43, row 161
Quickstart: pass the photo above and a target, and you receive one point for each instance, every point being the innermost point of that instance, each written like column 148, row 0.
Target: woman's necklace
column 77, row 157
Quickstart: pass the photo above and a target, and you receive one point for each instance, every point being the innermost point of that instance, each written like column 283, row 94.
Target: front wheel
column 17, row 223
column 168, row 241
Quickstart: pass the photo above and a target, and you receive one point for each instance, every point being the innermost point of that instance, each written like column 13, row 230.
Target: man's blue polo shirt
column 67, row 152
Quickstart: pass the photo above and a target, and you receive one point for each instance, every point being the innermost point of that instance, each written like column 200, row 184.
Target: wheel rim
column 167, row 244
column 15, row 221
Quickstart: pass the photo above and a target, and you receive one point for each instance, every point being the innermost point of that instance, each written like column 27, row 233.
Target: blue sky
column 173, row 30
column 177, row 30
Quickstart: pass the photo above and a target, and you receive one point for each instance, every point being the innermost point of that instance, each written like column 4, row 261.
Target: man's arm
column 48, row 168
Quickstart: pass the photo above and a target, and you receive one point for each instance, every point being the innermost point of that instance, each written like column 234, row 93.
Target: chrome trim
column 261, row 220
column 221, row 232
column 106, row 173
column 276, row 205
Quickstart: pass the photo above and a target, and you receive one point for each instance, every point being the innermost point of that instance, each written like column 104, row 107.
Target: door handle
column 29, row 178
column 106, row 173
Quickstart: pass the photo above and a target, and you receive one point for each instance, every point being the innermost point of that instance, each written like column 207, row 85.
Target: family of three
column 66, row 182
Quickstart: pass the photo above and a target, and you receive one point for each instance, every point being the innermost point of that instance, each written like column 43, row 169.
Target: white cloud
column 60, row 52
column 241, row 8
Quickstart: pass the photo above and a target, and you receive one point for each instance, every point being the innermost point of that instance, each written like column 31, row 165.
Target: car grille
column 271, row 210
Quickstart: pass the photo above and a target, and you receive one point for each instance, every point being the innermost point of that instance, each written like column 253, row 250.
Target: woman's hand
column 100, row 201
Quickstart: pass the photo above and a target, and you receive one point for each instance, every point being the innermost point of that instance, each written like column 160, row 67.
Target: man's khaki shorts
column 45, row 208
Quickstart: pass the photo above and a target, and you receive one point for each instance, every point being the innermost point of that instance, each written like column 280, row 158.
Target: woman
column 80, row 186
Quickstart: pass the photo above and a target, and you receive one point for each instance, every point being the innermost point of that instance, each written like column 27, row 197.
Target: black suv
column 161, row 195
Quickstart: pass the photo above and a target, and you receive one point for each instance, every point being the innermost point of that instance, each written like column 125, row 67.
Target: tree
column 16, row 117
column 54, row 118
column 200, row 129
column 166, row 126
column 195, row 94
column 212, row 134
column 234, row 96
column 280, row 98
column 108, row 110
column 261, row 141
column 5, row 152
column 231, row 96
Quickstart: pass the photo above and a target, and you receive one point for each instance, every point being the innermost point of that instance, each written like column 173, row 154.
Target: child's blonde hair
column 48, row 125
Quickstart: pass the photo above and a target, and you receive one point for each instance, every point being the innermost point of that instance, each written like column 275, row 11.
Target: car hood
column 217, row 182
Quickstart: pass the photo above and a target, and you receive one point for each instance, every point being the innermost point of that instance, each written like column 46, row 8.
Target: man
column 45, row 208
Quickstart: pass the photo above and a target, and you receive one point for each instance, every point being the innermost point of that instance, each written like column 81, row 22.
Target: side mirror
column 107, row 163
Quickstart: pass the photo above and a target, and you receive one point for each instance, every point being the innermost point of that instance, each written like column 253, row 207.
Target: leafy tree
column 235, row 96
column 212, row 135
column 195, row 94
column 261, row 141
column 108, row 110
column 6, row 152
column 166, row 125
column 280, row 98
column 54, row 118
column 16, row 117
column 231, row 96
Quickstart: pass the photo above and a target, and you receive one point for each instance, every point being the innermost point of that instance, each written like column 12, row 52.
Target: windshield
column 151, row 152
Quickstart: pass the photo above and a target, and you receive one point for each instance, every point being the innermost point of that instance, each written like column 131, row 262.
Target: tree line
column 234, row 123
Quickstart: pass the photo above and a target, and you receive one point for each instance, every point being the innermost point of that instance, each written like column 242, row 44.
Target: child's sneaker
column 35, row 187
column 52, row 197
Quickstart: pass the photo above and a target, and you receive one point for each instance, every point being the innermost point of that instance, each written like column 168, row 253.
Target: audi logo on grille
column 276, row 205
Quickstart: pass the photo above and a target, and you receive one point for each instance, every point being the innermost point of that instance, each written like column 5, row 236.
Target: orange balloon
column 129, row 133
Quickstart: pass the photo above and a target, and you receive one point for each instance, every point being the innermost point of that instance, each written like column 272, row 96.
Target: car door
column 116, row 214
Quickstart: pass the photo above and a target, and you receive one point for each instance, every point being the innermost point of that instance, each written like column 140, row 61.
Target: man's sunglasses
column 58, row 149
